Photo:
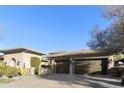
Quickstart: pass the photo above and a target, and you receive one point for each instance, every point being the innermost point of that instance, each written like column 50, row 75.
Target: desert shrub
column 1, row 63
column 4, row 69
column 1, row 73
column 12, row 72
column 8, row 71
column 117, row 71
column 22, row 71
column 35, row 62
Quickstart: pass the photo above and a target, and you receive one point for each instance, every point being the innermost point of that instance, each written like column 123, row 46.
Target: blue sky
column 48, row 28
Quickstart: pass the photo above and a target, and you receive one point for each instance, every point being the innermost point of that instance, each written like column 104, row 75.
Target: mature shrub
column 12, row 72
column 4, row 69
column 8, row 71
column 22, row 71
column 1, row 73
column 35, row 62
column 117, row 71
column 1, row 63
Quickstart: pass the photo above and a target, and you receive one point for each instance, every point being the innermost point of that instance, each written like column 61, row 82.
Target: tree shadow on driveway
column 111, row 82
column 83, row 81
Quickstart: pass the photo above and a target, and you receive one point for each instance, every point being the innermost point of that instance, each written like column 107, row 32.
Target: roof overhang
column 18, row 50
column 81, row 55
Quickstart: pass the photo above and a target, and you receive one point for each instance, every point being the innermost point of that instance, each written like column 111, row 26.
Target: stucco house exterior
column 19, row 57
column 65, row 62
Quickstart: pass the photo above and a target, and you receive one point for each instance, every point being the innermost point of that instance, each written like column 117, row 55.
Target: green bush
column 12, row 72
column 35, row 62
column 1, row 63
column 1, row 73
column 8, row 71
column 117, row 71
column 4, row 69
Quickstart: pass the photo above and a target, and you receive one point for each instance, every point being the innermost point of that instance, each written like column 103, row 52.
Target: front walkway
column 63, row 81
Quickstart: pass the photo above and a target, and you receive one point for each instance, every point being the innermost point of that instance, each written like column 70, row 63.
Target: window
column 18, row 63
column 12, row 62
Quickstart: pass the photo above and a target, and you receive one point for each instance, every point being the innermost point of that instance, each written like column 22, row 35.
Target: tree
column 113, row 12
column 112, row 37
column 35, row 62
column 99, row 39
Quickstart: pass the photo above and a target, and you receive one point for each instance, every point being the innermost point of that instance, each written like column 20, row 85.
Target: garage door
column 62, row 67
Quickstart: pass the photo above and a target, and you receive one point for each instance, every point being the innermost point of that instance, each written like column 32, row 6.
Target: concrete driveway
column 63, row 81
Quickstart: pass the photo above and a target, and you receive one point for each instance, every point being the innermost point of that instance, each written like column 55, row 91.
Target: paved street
column 63, row 81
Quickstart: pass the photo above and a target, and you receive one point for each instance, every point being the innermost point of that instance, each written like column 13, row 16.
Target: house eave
column 18, row 50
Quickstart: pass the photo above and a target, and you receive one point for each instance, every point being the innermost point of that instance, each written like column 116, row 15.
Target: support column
column 111, row 62
column 53, row 66
column 71, row 69
column 104, row 66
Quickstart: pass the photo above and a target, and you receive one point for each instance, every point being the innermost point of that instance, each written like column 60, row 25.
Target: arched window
column 12, row 62
column 14, row 59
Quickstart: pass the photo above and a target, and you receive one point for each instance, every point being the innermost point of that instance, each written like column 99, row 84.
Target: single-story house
column 19, row 57
column 81, row 62
column 64, row 62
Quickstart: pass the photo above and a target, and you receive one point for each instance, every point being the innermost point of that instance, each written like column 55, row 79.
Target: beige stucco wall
column 16, row 56
column 23, row 57
column 27, row 58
